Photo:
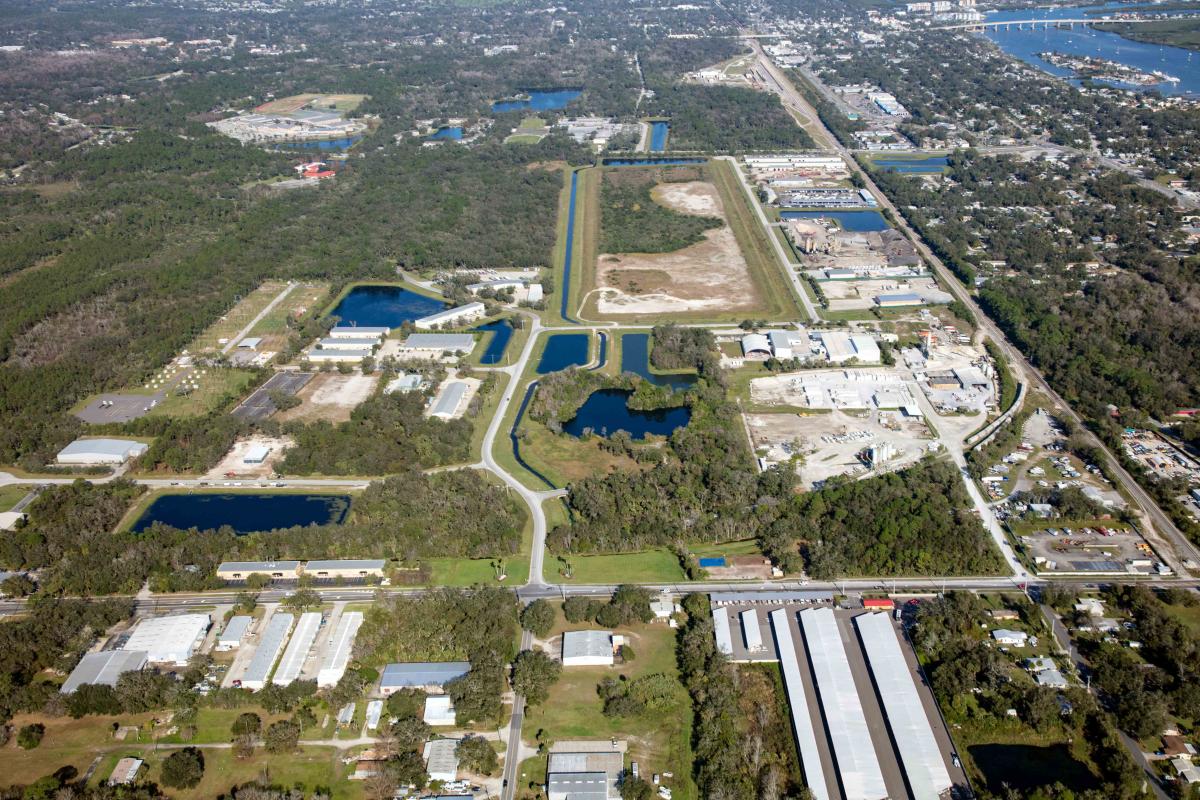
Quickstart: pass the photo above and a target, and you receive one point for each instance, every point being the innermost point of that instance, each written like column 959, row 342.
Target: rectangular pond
column 658, row 136
column 449, row 133
column 930, row 165
column 384, row 306
column 345, row 143
column 245, row 513
column 858, row 221
column 564, row 350
column 502, row 332
column 605, row 412
column 537, row 100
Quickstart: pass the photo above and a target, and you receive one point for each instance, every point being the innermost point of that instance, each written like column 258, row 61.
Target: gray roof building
column 582, row 648
column 270, row 645
column 448, row 401
column 103, row 668
column 577, row 786
column 101, row 451
column 439, row 342
column 421, row 673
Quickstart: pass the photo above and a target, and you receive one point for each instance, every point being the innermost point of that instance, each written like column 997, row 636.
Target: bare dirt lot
column 829, row 443
column 234, row 461
column 331, row 396
column 709, row 275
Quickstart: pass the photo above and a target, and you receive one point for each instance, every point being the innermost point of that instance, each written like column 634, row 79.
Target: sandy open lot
column 829, row 443
column 233, row 460
column 331, row 396
column 707, row 275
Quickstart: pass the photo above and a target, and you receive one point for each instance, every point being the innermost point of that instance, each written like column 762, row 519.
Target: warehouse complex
column 169, row 640
column 297, row 649
column 270, row 645
column 97, row 452
column 866, row 725
column 103, row 669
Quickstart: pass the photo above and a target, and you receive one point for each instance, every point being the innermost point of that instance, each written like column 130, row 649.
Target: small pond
column 245, row 513
column 635, row 358
column 605, row 412
column 539, row 100
column 928, row 165
column 658, row 136
column 502, row 332
column 564, row 350
column 849, row 220
column 384, row 306
column 453, row 134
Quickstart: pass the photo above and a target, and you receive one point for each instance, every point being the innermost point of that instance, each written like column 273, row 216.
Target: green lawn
column 217, row 387
column 659, row 743
column 231, row 323
column 524, row 138
column 651, row 566
column 11, row 495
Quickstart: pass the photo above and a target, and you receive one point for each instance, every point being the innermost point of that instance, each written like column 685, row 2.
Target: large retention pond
column 245, row 513
column 658, row 136
column 849, row 220
column 384, row 306
column 564, row 350
column 1026, row 43
column 635, row 358
column 502, row 332
column 539, row 100
column 927, row 164
column 605, row 412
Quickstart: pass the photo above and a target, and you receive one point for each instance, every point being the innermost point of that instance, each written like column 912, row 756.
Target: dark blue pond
column 649, row 162
column 849, row 220
column 635, row 358
column 539, row 100
column 245, row 513
column 502, row 331
column 378, row 306
column 564, row 350
column 928, row 164
column 446, row 134
column 658, row 136
column 344, row 143
column 606, row 412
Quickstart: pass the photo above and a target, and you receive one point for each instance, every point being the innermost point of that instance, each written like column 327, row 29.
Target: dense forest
column 633, row 221
column 727, row 119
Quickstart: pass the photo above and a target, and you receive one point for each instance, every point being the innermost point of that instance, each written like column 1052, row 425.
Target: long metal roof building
column 338, row 654
column 103, row 668
column 793, row 684
column 447, row 402
column 920, row 755
column 721, row 629
column 858, row 765
column 297, row 649
column 751, row 632
column 270, row 644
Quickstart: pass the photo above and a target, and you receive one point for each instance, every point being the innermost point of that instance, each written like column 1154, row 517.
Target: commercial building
column 789, row 344
column 451, row 317
column 364, row 346
column 169, row 640
column 587, row 649
column 93, row 452
column 410, row 382
column 899, row 299
column 345, row 568
column 432, row 345
column 432, row 676
column 374, row 712
column 791, row 162
column 103, row 668
column 840, row 347
column 447, row 404
column 359, row 332
column 235, row 631
column 499, row 285
column 756, row 345
column 439, row 711
column 125, row 772
column 238, row 571
column 920, row 756
column 270, row 645
column 329, row 356
column 440, row 761
column 585, row 769
column 297, row 649
column 340, row 647
column 256, row 454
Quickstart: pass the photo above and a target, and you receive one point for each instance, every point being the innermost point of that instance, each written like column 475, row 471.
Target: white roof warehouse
column 169, row 640
column 101, row 451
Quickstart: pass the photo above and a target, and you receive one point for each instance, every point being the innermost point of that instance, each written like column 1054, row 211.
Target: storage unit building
column 297, row 649
column 431, row 345
column 270, row 645
column 793, row 684
column 233, row 634
column 440, row 761
column 451, row 317
column 750, row 630
column 340, row 647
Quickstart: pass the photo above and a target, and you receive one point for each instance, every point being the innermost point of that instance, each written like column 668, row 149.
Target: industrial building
column 410, row 382
column 439, row 711
column 447, row 404
column 440, row 760
column 329, row 356
column 451, row 317
column 364, row 346
column 791, row 162
column 432, row 676
column 257, row 454
column 169, row 640
column 270, row 645
column 103, row 668
column 899, row 300
column 756, row 345
column 237, row 571
column 359, row 332
column 235, row 631
column 94, row 452
column 432, row 345
column 297, row 649
column 840, row 347
column 345, row 568
column 337, row 656
column 585, row 770
column 587, row 649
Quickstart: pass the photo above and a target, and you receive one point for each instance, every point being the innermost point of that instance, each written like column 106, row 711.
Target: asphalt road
column 1169, row 541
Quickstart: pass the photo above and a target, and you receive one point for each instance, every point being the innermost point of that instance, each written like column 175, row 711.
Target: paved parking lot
column 258, row 406
column 118, row 407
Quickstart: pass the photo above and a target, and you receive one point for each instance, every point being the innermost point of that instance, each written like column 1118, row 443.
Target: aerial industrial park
column 591, row 402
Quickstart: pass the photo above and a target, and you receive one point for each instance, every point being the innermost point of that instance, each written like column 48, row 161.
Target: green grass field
column 237, row 318
column 217, row 386
column 524, row 138
column 11, row 495
column 659, row 743
column 650, row 566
